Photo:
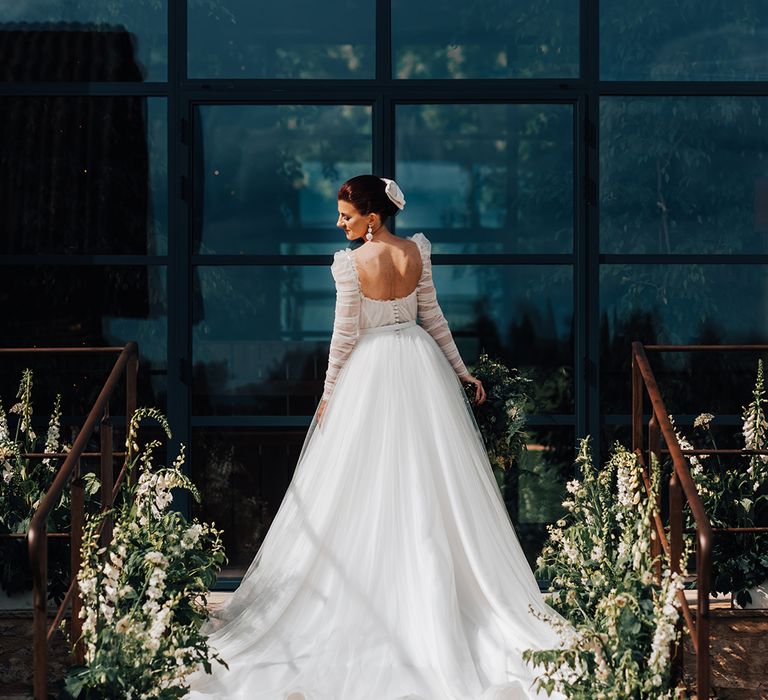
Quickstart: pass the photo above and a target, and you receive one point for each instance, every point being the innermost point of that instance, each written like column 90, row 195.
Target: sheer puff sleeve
column 346, row 322
column 430, row 314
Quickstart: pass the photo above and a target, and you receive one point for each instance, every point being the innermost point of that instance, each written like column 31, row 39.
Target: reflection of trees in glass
column 294, row 39
column 242, row 513
column 489, row 166
column 691, row 382
column 489, row 39
column 259, row 161
column 684, row 40
column 682, row 175
column 522, row 316
column 534, row 490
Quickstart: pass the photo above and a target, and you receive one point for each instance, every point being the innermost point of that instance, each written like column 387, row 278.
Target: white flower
column 52, row 438
column 703, row 420
column 156, row 558
column 628, row 483
column 191, row 536
column 573, row 486
column 123, row 624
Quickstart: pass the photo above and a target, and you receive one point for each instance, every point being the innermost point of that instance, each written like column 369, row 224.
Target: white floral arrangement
column 145, row 594
column 621, row 620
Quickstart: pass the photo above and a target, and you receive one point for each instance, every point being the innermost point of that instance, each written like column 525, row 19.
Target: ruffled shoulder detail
column 423, row 242
column 343, row 269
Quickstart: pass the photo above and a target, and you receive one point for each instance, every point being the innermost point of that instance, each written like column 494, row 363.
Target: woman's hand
column 320, row 409
column 479, row 391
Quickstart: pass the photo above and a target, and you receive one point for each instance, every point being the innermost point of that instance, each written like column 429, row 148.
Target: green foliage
column 734, row 494
column 501, row 417
column 599, row 560
column 144, row 595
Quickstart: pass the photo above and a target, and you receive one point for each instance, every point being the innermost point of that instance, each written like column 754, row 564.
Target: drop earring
column 369, row 235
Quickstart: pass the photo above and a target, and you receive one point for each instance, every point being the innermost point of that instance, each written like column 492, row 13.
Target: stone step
column 738, row 651
column 16, row 656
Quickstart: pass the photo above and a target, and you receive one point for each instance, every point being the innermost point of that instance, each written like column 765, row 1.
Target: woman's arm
column 430, row 314
column 346, row 321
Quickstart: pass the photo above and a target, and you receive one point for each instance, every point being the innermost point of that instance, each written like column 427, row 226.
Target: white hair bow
column 394, row 193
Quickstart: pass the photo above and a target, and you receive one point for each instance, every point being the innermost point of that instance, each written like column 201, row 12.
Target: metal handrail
column 680, row 483
column 37, row 535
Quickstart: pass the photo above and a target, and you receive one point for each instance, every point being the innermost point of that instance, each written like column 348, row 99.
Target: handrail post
column 76, row 541
column 38, row 544
column 107, row 474
column 703, row 569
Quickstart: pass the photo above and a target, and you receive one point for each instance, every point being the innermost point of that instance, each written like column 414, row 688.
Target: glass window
column 83, row 175
column 683, row 175
column 487, row 178
column 453, row 39
column 684, row 40
column 76, row 305
column 243, row 474
column 88, row 40
column 293, row 39
column 680, row 304
column 534, row 489
column 267, row 177
column 261, row 334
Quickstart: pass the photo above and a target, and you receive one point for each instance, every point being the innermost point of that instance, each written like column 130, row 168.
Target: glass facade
column 170, row 174
column 497, row 39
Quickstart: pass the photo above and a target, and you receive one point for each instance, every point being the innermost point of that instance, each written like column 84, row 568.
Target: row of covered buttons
column 397, row 314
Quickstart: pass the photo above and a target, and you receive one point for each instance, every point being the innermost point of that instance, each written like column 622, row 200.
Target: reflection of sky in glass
column 500, row 175
column 145, row 20
column 317, row 199
column 431, row 194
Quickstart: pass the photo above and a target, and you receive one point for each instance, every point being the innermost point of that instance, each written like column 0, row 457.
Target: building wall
column 587, row 178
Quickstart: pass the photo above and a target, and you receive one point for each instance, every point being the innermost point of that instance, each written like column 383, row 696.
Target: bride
column 391, row 570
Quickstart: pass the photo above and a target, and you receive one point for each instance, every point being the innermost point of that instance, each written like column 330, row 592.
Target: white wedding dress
column 391, row 570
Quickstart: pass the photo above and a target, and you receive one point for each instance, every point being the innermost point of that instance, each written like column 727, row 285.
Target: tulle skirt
column 391, row 570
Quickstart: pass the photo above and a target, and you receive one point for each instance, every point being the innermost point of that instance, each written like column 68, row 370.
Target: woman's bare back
column 388, row 269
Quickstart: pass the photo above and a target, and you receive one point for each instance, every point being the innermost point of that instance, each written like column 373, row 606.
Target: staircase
column 16, row 663
column 738, row 651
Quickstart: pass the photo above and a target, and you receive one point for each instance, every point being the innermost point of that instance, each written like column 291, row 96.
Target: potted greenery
column 735, row 494
column 500, row 419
